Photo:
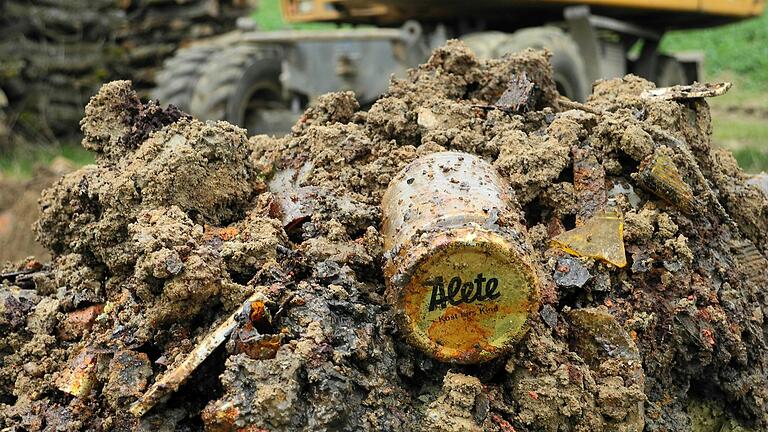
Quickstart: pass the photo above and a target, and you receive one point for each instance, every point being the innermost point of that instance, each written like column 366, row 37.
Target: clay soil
column 180, row 221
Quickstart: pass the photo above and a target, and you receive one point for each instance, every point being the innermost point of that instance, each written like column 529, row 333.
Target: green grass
column 268, row 17
column 751, row 159
column 737, row 53
column 744, row 136
column 739, row 50
column 22, row 162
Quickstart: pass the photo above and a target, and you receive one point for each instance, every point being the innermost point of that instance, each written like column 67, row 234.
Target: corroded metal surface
column 588, row 183
column 458, row 268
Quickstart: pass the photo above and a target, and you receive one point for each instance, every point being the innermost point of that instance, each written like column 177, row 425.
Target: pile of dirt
column 54, row 55
column 181, row 221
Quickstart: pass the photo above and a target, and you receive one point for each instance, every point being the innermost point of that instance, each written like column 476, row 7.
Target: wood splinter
column 170, row 381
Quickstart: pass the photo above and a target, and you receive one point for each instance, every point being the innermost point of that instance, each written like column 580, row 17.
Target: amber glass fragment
column 659, row 174
column 601, row 238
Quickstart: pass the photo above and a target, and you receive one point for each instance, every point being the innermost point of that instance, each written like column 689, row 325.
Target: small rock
column 327, row 270
column 15, row 304
column 43, row 319
column 128, row 375
column 570, row 272
column 78, row 322
column 549, row 315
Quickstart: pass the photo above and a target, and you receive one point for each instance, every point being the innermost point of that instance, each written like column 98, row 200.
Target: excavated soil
column 180, row 221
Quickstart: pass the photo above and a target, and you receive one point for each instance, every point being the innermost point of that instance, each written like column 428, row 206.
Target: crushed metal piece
column 588, row 183
column 172, row 379
column 601, row 237
column 257, row 346
column 255, row 336
column 128, row 375
column 296, row 206
column 570, row 272
column 80, row 377
column 693, row 91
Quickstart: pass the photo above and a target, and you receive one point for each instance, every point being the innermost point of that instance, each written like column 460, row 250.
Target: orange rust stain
column 79, row 378
column 522, row 307
column 79, row 321
column 226, row 233
column 263, row 348
column 503, row 424
column 258, row 311
column 411, row 303
column 221, row 420
column 33, row 265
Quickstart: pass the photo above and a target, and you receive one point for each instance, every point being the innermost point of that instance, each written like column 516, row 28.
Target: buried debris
column 659, row 175
column 601, row 237
column 650, row 304
column 170, row 381
column 693, row 91
column 458, row 272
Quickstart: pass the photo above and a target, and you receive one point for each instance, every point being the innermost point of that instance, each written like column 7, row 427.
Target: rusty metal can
column 458, row 268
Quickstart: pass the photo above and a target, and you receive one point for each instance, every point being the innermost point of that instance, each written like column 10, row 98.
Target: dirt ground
column 19, row 211
column 180, row 222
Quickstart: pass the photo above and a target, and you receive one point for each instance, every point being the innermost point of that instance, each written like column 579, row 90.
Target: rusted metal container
column 458, row 269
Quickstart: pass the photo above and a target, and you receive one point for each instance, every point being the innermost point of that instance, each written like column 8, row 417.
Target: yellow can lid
column 467, row 295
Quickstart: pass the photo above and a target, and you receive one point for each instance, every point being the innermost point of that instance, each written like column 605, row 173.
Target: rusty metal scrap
column 462, row 288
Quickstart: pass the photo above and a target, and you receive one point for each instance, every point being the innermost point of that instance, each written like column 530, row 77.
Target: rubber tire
column 225, row 73
column 485, row 45
column 568, row 66
column 176, row 81
column 670, row 72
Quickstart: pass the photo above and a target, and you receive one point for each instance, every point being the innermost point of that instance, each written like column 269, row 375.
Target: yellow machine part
column 737, row 8
column 399, row 10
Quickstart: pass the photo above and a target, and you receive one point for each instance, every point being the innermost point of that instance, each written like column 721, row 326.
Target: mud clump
column 180, row 221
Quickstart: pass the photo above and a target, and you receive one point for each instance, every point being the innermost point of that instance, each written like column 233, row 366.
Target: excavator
column 262, row 81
